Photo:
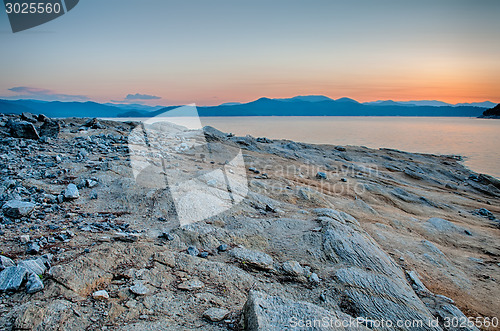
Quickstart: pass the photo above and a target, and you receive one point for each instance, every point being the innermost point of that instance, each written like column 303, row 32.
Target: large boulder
column 50, row 128
column 12, row 278
column 23, row 129
column 17, row 208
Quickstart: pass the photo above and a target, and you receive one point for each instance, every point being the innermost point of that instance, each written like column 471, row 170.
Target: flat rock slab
column 253, row 258
column 263, row 312
column 17, row 208
column 191, row 285
column 12, row 278
column 139, row 289
column 215, row 314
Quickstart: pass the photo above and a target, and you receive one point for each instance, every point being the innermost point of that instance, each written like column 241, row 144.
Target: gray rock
column 29, row 117
column 50, row 128
column 34, row 284
column 321, row 175
column 38, row 266
column 212, row 134
column 23, row 129
column 253, row 258
column 5, row 262
column 215, row 314
column 340, row 148
column 193, row 251
column 139, row 289
column 267, row 313
column 484, row 213
column 293, row 268
column 416, row 283
column 71, row 192
column 375, row 296
column 100, row 295
column 314, row 278
column 33, row 248
column 17, row 208
column 222, row 248
column 11, row 278
column 191, row 285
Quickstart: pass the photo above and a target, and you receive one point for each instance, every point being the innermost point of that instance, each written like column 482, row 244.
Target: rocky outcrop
column 266, row 313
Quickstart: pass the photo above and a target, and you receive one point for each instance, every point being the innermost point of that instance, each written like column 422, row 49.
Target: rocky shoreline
column 330, row 233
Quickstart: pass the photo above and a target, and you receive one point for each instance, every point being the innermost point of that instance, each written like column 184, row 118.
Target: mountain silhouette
column 296, row 106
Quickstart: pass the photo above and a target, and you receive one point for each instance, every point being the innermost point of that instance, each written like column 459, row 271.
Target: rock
column 29, row 117
column 22, row 129
column 33, row 248
column 314, row 278
column 17, row 208
column 50, row 128
column 215, row 314
column 11, row 278
column 34, row 283
column 193, row 251
column 340, row 148
column 191, row 285
column 212, row 134
column 5, row 262
column 71, row 192
column 204, row 255
column 293, row 268
column 139, row 289
column 38, row 266
column 100, row 295
column 24, row 239
column 417, row 285
column 94, row 124
column 42, row 118
column 343, row 179
column 264, row 312
column 222, row 248
column 167, row 235
column 321, row 175
column 253, row 258
column 484, row 213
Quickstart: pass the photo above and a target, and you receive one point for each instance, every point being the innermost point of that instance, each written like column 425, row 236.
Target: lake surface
column 477, row 140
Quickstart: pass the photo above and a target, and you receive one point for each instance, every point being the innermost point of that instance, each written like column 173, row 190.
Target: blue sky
column 209, row 52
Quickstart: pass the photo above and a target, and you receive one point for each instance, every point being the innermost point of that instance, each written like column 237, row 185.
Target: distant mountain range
column 312, row 105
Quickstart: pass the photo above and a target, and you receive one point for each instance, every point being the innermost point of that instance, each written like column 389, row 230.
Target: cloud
column 25, row 92
column 138, row 96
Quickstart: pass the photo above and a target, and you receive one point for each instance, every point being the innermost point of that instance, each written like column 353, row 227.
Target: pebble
column 139, row 289
column 17, row 208
column 222, row 248
column 321, row 175
column 101, row 295
column 215, row 314
column 33, row 248
column 204, row 254
column 193, row 251
column 24, row 239
column 314, row 278
column 71, row 192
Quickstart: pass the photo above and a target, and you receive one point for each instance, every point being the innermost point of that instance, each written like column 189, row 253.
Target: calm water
column 475, row 139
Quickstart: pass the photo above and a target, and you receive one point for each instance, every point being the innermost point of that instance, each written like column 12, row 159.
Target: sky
column 210, row 52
